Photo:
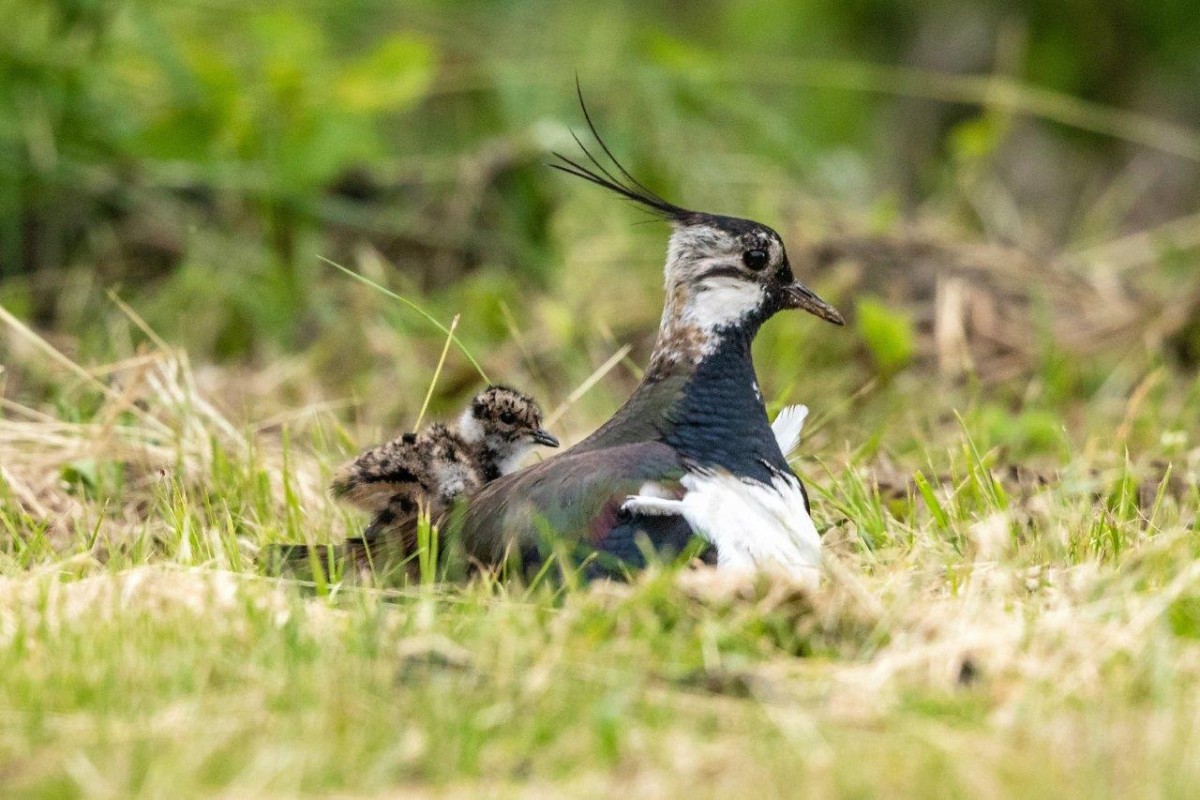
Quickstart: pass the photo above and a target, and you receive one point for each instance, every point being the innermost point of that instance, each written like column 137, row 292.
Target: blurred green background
column 201, row 158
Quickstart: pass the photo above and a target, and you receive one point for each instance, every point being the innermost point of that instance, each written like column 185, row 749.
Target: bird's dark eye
column 755, row 259
column 508, row 418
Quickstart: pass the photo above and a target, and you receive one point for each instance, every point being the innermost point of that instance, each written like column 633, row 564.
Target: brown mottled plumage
column 435, row 467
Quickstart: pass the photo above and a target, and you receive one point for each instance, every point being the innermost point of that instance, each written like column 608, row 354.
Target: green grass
column 978, row 634
column 1012, row 600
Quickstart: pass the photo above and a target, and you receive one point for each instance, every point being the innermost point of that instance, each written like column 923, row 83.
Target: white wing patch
column 787, row 427
column 652, row 489
column 754, row 526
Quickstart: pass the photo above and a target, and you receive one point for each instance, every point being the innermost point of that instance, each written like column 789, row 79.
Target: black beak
column 543, row 436
column 797, row 295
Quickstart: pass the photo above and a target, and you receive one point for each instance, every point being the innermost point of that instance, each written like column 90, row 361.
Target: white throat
column 721, row 302
column 512, row 461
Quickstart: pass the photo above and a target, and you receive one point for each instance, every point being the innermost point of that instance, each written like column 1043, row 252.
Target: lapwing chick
column 502, row 425
column 434, row 468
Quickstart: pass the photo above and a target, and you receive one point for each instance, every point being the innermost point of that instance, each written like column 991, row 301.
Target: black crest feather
column 623, row 183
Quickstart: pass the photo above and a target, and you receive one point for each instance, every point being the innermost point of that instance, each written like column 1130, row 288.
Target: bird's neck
column 693, row 326
column 679, row 348
column 700, row 395
column 681, row 342
column 495, row 459
column 486, row 457
column 489, row 462
column 717, row 419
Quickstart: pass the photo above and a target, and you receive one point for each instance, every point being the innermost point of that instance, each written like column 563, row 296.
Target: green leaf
column 81, row 472
column 392, row 77
column 977, row 138
column 888, row 334
column 677, row 54
column 1183, row 617
column 931, row 501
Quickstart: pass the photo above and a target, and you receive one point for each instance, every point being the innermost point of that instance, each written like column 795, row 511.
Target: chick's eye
column 508, row 418
column 755, row 259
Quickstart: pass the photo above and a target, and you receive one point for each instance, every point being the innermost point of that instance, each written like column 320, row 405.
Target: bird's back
column 370, row 481
column 573, row 501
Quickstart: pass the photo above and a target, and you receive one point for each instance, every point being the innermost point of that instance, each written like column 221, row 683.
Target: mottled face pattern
column 723, row 270
column 506, row 421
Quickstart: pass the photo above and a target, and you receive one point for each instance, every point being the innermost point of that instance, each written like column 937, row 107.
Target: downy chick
column 442, row 463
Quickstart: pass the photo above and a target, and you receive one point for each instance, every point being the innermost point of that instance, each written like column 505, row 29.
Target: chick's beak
column 797, row 295
column 543, row 436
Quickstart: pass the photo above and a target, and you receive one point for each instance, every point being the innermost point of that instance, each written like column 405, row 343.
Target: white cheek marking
column 469, row 428
column 685, row 243
column 720, row 302
column 775, row 249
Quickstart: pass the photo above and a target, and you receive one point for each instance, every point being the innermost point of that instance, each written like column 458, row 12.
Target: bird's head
column 721, row 271
column 506, row 422
column 725, row 271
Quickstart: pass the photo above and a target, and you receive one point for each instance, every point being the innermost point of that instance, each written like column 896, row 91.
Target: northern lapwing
column 694, row 432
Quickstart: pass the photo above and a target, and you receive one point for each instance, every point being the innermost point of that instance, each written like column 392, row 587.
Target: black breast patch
column 720, row 420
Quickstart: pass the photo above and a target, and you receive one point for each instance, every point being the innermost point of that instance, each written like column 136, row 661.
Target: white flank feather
column 787, row 427
column 754, row 526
